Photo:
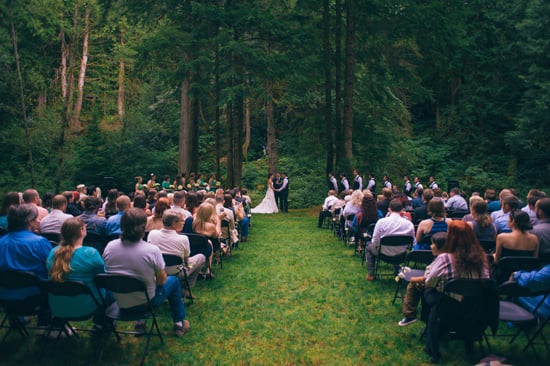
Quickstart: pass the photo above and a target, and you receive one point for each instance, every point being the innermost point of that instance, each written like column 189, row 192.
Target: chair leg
column 397, row 288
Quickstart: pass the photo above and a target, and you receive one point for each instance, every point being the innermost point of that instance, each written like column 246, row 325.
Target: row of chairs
column 72, row 293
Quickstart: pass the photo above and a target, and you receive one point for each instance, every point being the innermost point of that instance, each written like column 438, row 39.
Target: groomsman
column 357, row 181
column 277, row 183
column 344, row 182
column 284, row 194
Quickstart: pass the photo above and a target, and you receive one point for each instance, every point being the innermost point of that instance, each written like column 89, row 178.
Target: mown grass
column 292, row 295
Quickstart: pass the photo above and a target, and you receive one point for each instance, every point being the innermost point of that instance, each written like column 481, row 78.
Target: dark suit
column 277, row 183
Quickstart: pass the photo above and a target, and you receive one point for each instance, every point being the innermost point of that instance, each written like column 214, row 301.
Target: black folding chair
column 488, row 245
column 466, row 319
column 70, row 301
column 14, row 309
column 96, row 241
column 177, row 269
column 198, row 244
column 119, row 284
column 416, row 260
column 55, row 237
column 348, row 238
column 392, row 250
column 506, row 265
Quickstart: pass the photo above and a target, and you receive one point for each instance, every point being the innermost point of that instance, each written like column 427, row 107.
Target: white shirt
column 170, row 242
column 329, row 201
column 392, row 225
column 371, row 184
column 359, row 181
column 345, row 183
column 53, row 222
column 334, row 183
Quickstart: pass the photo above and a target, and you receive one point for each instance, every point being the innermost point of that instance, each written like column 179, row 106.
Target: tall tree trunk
column 235, row 133
column 349, row 84
column 186, row 131
column 75, row 121
column 271, row 129
column 121, row 77
column 195, row 121
column 328, row 87
column 338, row 132
column 64, row 72
column 217, row 126
column 246, row 143
column 23, row 104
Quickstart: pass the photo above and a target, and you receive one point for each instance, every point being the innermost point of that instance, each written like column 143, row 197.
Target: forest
column 114, row 88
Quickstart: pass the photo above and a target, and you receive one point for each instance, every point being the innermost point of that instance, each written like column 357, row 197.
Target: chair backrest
column 416, row 257
column 71, row 299
column 198, row 244
column 95, row 240
column 12, row 280
column 119, row 283
column 457, row 214
column 3, row 232
column 488, row 245
column 507, row 265
column 173, row 263
column 396, row 240
column 513, row 289
column 56, row 237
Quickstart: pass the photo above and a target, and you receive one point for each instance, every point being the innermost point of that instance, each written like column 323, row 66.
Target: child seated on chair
column 416, row 285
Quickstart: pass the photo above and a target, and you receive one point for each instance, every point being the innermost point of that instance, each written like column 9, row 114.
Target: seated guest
column 535, row 281
column 109, row 206
column 384, row 203
column 31, row 197
column 208, row 223
column 391, row 225
column 10, row 199
column 473, row 199
column 94, row 224
column 178, row 203
column 435, row 224
column 154, row 222
column 367, row 216
column 131, row 256
column 509, row 203
column 23, row 250
column 54, row 220
column 141, row 202
column 74, row 205
column 421, row 211
column 456, row 202
column 242, row 213
column 170, row 242
column 191, row 204
column 493, row 204
column 532, row 197
column 353, row 206
column 519, row 242
column 416, row 285
column 417, row 197
column 501, row 197
column 225, row 207
column 327, row 205
column 71, row 261
column 542, row 229
column 462, row 257
column 112, row 227
column 484, row 228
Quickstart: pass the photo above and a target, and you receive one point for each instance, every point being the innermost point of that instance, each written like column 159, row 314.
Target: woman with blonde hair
column 207, row 223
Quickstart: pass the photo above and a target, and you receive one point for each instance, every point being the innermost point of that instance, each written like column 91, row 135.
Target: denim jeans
column 171, row 290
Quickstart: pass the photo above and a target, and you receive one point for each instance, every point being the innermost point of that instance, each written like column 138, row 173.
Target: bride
column 268, row 204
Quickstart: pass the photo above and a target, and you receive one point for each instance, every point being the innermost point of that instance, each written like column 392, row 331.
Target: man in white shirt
column 178, row 204
column 332, row 196
column 433, row 185
column 333, row 183
column 170, row 242
column 357, row 181
column 54, row 220
column 344, row 182
column 371, row 186
column 392, row 225
column 417, row 183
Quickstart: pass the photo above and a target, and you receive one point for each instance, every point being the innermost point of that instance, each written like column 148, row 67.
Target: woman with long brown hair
column 154, row 222
column 71, row 261
column 462, row 257
column 206, row 222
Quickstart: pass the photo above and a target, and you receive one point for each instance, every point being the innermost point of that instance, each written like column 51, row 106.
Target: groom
column 283, row 194
column 277, row 184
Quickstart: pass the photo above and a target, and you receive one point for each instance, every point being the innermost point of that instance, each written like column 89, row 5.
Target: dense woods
column 112, row 88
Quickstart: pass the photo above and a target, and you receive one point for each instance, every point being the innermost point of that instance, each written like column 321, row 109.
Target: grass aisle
column 292, row 295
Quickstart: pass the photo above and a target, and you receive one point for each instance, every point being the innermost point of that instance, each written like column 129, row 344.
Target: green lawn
column 292, row 295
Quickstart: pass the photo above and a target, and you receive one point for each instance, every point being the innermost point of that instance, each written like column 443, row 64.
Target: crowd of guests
column 49, row 236
column 468, row 236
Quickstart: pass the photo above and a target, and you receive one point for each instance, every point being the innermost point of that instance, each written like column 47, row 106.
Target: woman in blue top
column 71, row 261
column 437, row 223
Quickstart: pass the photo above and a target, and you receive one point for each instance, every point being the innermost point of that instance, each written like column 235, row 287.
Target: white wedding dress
column 268, row 204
